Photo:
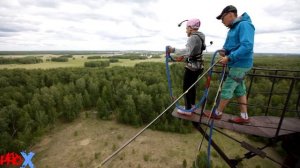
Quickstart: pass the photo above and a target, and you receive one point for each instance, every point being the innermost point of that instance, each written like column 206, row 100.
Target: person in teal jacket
column 237, row 53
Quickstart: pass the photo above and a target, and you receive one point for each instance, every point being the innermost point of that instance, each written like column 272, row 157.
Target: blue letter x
column 27, row 159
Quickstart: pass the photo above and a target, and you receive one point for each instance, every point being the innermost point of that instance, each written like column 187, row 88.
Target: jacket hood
column 243, row 17
column 200, row 34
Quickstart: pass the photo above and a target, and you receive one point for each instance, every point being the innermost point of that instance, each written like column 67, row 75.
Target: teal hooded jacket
column 239, row 43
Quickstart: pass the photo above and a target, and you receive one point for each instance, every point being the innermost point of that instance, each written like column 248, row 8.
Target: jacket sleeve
column 190, row 45
column 246, row 37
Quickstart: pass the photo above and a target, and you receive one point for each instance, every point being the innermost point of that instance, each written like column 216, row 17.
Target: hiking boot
column 211, row 115
column 239, row 120
column 179, row 111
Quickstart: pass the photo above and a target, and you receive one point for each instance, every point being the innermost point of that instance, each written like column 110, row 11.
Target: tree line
column 33, row 100
column 99, row 64
column 22, row 60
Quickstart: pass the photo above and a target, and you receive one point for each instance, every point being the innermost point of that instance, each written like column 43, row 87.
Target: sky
column 140, row 24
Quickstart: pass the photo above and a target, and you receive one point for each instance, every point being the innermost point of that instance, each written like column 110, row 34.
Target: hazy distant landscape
column 80, row 57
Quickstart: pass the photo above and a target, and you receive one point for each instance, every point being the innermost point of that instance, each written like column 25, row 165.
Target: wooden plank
column 288, row 123
column 262, row 121
column 264, row 126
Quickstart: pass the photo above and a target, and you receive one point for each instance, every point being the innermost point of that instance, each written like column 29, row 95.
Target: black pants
column 189, row 78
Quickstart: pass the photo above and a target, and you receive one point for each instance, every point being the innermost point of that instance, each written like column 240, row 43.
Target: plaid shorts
column 234, row 84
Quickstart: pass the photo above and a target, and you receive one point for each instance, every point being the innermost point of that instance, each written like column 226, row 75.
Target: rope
column 216, row 104
column 212, row 128
column 203, row 99
column 168, row 56
column 142, row 130
column 205, row 94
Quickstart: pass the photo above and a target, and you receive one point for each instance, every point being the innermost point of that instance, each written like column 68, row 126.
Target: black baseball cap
column 227, row 9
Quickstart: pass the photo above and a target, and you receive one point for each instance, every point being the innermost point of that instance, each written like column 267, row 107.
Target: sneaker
column 239, row 120
column 212, row 116
column 184, row 112
column 196, row 110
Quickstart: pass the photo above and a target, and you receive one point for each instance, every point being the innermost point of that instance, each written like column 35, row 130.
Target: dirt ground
column 86, row 142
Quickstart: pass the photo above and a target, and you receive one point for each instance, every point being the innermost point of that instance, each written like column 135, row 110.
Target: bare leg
column 223, row 104
column 243, row 101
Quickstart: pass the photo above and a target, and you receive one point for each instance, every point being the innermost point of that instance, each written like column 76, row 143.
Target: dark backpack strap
column 198, row 57
column 203, row 47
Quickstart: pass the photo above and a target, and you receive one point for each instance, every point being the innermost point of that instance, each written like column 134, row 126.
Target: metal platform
column 264, row 126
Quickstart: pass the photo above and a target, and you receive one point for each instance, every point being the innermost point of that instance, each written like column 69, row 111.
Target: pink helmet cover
column 193, row 23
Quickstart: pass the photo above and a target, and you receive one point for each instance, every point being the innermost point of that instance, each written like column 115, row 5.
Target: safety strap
column 197, row 57
column 238, row 80
column 202, row 41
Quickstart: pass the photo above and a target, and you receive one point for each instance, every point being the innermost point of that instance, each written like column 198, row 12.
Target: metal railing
column 256, row 72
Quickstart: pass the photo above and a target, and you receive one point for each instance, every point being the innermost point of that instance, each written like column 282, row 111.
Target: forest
column 32, row 101
column 22, row 60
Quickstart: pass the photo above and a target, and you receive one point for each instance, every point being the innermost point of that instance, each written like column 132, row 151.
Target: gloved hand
column 179, row 59
column 170, row 49
column 170, row 59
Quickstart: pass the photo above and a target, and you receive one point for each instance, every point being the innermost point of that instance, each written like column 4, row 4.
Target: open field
column 260, row 60
column 87, row 141
column 77, row 62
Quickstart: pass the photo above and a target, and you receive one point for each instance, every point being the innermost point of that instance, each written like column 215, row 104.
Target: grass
column 131, row 63
column 147, row 157
column 60, row 148
column 76, row 133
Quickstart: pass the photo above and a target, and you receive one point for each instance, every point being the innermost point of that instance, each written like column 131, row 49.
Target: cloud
column 271, row 42
column 278, row 30
column 284, row 9
column 142, row 2
column 10, row 28
column 5, row 34
column 138, row 24
column 15, row 27
column 40, row 3
column 280, row 16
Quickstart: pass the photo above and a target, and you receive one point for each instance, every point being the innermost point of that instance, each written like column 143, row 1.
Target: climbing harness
column 205, row 94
